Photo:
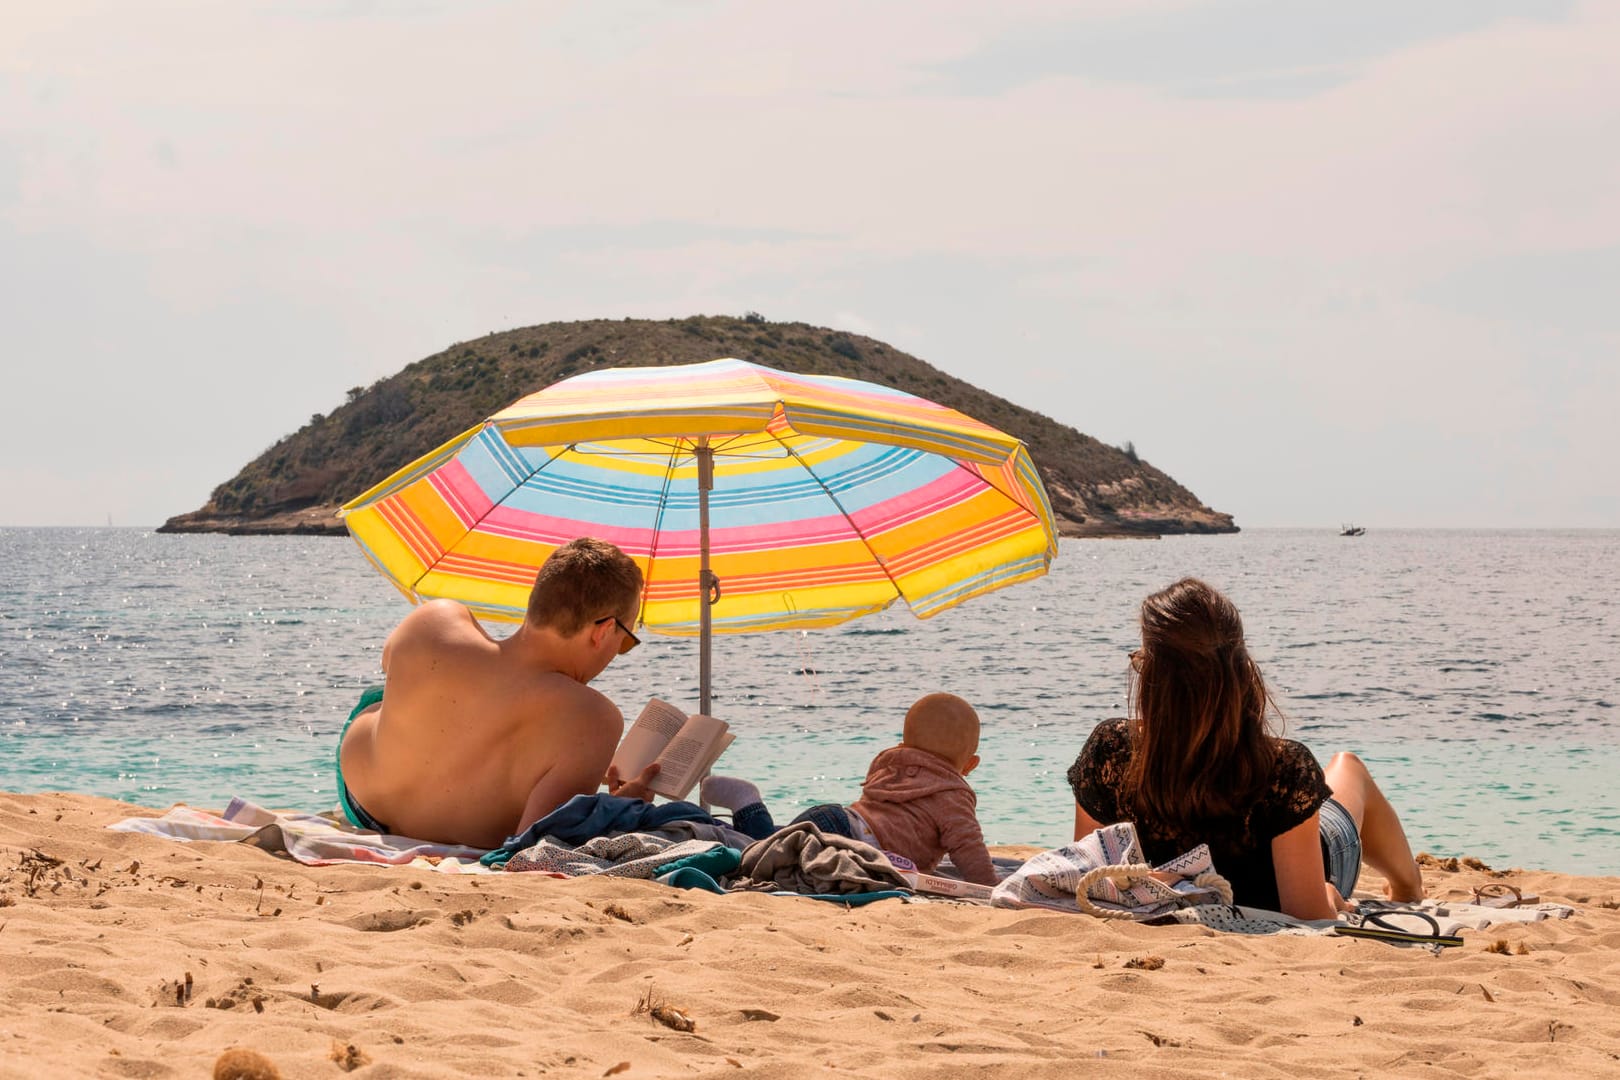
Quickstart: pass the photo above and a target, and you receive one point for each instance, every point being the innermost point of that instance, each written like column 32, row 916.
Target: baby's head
column 945, row 726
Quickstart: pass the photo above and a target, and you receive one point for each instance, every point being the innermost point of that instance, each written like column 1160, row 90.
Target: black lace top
column 1240, row 845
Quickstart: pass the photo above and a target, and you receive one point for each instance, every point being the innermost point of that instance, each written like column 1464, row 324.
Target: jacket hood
column 903, row 773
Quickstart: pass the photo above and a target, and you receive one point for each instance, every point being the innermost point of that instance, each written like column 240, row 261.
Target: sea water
column 1477, row 673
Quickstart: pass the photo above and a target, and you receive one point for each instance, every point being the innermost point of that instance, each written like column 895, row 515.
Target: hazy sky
column 1320, row 261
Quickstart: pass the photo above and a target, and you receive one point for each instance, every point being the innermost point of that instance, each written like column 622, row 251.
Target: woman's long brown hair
column 1201, row 745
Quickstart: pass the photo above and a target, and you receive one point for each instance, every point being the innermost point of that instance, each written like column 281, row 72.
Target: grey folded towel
column 803, row 859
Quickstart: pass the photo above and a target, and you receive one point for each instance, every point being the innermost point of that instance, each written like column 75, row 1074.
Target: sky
column 1320, row 262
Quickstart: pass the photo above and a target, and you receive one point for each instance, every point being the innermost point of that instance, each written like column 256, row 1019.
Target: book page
column 726, row 739
column 697, row 769
column 658, row 723
column 689, row 754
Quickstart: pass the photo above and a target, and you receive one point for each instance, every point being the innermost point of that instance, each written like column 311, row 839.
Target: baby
column 914, row 803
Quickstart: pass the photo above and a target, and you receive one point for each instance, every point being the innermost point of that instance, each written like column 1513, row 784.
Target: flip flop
column 1377, row 926
column 1499, row 894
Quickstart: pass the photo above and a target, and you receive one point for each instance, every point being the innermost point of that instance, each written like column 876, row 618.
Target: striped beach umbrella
column 787, row 500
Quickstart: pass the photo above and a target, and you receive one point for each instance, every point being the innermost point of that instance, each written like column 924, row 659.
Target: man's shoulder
column 442, row 611
column 437, row 620
column 564, row 716
column 570, row 701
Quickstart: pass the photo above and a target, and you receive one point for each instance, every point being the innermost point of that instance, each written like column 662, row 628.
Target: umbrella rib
column 658, row 523
column 876, row 558
column 494, row 504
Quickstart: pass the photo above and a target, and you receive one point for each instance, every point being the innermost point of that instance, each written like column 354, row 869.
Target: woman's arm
column 1302, row 887
column 1094, row 776
column 1084, row 823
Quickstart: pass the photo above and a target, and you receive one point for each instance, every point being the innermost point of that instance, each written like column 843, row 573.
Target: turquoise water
column 1477, row 672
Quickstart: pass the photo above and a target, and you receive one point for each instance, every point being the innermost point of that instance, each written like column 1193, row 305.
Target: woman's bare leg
column 1383, row 841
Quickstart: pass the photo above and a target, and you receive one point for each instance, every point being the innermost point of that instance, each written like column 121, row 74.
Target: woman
column 1197, row 763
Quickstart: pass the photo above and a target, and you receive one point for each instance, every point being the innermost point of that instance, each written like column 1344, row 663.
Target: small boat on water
column 1351, row 530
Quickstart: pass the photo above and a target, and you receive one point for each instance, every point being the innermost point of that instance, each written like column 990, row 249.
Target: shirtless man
column 473, row 739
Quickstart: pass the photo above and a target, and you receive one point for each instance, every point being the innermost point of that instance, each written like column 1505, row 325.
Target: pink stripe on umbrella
column 461, row 493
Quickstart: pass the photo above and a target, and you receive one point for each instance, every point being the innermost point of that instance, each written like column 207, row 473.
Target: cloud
column 1247, row 49
column 1208, row 228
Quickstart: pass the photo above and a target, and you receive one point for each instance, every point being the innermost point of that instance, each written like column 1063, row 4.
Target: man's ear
column 972, row 763
column 599, row 632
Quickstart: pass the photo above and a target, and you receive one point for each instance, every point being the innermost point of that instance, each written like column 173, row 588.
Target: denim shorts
column 829, row 818
column 1341, row 847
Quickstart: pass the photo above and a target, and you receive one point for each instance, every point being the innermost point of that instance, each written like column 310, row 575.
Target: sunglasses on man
column 629, row 641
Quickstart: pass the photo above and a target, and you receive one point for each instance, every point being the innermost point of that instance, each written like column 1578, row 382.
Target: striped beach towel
column 307, row 838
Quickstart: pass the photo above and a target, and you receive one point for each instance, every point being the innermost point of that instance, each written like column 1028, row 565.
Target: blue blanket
column 586, row 816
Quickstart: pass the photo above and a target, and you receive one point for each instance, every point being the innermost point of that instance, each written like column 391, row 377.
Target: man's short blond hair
column 582, row 581
column 944, row 725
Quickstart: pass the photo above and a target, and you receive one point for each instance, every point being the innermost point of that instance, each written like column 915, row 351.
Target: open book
column 684, row 746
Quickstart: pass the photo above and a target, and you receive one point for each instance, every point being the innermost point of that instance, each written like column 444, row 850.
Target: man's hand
column 631, row 789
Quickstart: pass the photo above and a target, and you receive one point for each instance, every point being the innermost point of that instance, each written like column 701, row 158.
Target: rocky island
column 297, row 485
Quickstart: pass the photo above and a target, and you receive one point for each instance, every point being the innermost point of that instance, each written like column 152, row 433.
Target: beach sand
column 130, row 955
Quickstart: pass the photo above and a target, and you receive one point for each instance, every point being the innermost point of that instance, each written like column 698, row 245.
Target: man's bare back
column 476, row 738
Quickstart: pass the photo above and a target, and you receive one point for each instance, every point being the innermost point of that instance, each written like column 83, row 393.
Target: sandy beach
column 132, row 955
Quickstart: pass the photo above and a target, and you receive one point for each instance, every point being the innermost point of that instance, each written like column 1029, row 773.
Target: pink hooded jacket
column 919, row 806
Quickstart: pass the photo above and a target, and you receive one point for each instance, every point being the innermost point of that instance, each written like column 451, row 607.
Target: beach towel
column 1471, row 916
column 1105, row 873
column 1424, row 924
column 628, row 855
column 803, row 859
column 1236, row 919
column 307, row 838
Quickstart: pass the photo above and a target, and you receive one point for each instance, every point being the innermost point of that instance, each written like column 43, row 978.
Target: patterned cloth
column 1051, row 879
column 1232, row 919
column 630, row 855
column 307, row 838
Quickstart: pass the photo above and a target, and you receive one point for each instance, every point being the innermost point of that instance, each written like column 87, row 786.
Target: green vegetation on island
column 298, row 484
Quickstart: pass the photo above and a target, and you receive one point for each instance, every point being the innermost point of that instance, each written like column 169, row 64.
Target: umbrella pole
column 705, row 464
